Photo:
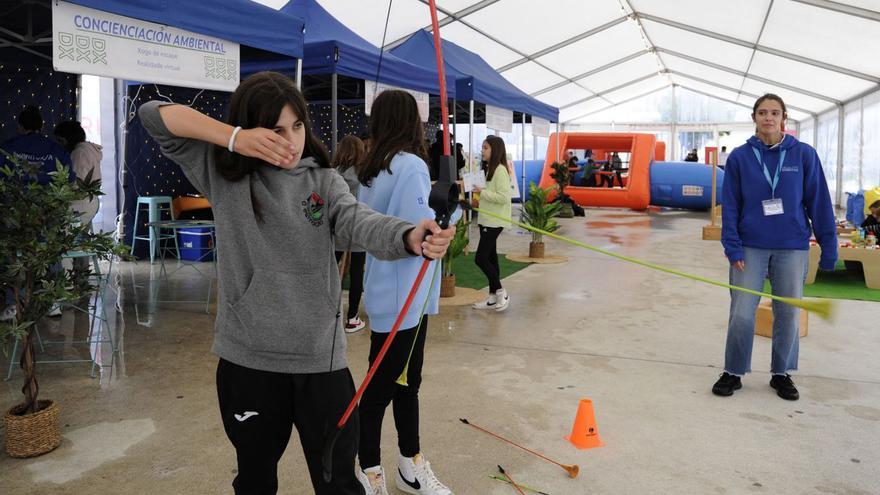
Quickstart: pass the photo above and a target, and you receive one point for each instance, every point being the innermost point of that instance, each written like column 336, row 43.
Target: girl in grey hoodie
column 280, row 212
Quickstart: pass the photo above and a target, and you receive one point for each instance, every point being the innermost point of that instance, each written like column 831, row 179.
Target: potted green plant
column 38, row 227
column 563, row 179
column 457, row 246
column 540, row 214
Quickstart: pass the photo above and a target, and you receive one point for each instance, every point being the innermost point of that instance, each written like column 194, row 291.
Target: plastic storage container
column 197, row 244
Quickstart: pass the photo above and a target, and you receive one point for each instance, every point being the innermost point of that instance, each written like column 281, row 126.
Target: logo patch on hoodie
column 313, row 208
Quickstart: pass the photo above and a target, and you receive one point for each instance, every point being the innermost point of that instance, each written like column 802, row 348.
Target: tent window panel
column 871, row 140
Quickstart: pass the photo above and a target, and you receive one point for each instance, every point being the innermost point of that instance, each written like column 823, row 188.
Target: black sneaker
column 784, row 387
column 726, row 385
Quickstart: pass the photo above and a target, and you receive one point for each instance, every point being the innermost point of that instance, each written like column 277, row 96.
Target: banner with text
column 540, row 127
column 88, row 41
column 372, row 89
column 499, row 119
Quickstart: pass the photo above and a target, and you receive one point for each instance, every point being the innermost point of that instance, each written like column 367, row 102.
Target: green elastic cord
column 422, row 317
column 822, row 308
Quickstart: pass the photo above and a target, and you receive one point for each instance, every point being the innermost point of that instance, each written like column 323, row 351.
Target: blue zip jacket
column 804, row 194
column 36, row 148
column 402, row 193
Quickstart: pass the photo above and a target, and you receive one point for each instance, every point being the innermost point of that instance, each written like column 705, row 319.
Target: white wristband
column 231, row 144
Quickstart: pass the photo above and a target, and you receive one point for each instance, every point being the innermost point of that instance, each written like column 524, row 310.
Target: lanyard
column 775, row 181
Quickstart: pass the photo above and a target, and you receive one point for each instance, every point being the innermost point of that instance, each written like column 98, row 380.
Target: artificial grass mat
column 467, row 274
column 839, row 284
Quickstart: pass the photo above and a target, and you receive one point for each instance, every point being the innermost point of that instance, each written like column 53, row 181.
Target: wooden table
column 869, row 258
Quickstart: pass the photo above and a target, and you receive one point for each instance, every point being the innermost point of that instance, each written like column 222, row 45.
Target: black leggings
column 355, row 280
column 384, row 389
column 487, row 256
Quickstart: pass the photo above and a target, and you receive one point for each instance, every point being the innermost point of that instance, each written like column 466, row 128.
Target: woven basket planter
column 33, row 434
column 447, row 286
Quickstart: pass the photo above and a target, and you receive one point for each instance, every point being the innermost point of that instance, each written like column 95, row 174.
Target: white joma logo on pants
column 246, row 415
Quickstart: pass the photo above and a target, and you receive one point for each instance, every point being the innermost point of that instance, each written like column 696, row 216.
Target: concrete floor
column 644, row 346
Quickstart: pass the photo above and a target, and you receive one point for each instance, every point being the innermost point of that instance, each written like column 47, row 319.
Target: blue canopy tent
column 331, row 48
column 27, row 75
column 262, row 33
column 476, row 80
column 242, row 21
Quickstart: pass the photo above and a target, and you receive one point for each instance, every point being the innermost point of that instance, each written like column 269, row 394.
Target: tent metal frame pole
column 454, row 127
column 121, row 123
column 522, row 191
column 333, row 102
column 838, row 188
column 299, row 73
column 471, row 136
column 79, row 97
column 673, row 139
column 557, row 141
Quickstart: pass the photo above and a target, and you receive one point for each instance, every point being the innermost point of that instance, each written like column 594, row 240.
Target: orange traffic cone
column 584, row 433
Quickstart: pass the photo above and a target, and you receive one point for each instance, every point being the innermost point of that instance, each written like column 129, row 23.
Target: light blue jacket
column 402, row 193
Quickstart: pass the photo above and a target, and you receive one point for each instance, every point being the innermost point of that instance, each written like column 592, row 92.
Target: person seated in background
column 589, row 179
column 86, row 159
column 872, row 223
column 572, row 160
column 33, row 147
column 616, row 167
column 692, row 156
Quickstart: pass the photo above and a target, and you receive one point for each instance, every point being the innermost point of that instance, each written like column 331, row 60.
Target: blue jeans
column 787, row 270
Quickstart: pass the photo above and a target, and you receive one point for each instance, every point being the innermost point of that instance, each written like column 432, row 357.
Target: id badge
column 772, row 207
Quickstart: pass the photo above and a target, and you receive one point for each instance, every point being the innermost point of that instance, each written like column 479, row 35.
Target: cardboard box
column 764, row 320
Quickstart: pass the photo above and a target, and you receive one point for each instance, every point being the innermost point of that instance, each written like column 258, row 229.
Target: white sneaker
column 488, row 303
column 502, row 300
column 8, row 313
column 373, row 480
column 414, row 475
column 355, row 324
column 56, row 310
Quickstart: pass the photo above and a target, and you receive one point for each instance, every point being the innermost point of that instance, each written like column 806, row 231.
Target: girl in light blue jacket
column 395, row 181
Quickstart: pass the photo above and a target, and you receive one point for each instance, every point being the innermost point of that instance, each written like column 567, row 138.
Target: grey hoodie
column 278, row 307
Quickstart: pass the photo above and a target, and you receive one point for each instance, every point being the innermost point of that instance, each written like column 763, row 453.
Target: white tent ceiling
column 587, row 56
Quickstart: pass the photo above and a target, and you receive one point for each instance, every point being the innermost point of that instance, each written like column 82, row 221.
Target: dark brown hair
column 773, row 97
column 395, row 126
column 349, row 153
column 497, row 157
column 257, row 102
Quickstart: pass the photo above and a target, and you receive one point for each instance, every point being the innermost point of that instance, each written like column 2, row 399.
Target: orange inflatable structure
column 642, row 149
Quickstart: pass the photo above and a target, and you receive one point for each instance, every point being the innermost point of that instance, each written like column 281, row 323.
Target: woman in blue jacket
column 774, row 196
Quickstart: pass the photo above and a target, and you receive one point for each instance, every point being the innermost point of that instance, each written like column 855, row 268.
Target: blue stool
column 156, row 205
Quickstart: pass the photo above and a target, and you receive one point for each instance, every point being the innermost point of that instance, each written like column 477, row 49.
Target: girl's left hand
column 436, row 243
column 476, row 189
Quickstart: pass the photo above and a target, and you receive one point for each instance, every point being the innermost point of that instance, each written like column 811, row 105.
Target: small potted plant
column 563, row 179
column 540, row 214
column 457, row 246
column 38, row 227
